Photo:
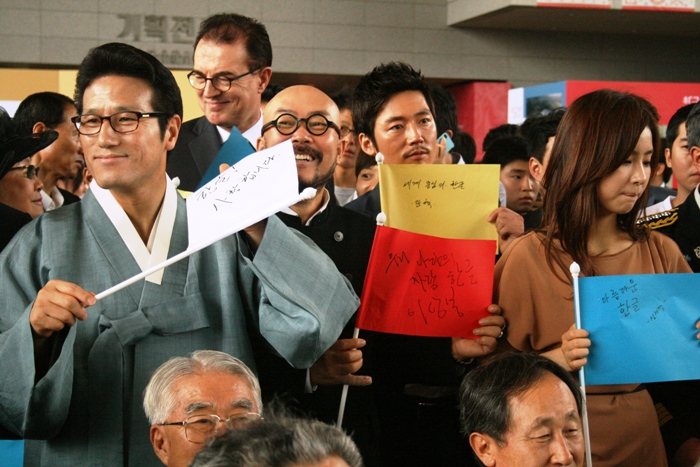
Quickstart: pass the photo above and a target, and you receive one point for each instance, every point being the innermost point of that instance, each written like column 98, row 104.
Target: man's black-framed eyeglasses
column 316, row 124
column 220, row 82
column 32, row 170
column 201, row 428
column 121, row 122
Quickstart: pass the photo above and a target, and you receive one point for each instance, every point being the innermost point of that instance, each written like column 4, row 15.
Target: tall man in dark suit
column 232, row 67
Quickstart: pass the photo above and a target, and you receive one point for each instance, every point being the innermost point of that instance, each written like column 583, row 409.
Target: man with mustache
column 415, row 379
column 312, row 121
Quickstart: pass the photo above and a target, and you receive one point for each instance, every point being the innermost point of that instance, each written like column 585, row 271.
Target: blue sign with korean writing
column 642, row 327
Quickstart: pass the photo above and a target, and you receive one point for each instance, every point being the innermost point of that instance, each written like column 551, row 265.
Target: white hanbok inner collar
column 156, row 251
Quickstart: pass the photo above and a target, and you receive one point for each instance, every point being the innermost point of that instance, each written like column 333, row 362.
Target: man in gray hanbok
column 77, row 386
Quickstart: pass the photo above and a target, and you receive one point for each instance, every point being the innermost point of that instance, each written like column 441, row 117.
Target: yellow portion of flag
column 449, row 201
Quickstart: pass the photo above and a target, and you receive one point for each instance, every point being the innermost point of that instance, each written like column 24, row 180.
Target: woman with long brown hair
column 604, row 151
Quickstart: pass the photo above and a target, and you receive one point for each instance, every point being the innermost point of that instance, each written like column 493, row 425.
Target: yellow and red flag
column 430, row 272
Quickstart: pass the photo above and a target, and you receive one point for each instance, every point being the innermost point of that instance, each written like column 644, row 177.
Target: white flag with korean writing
column 255, row 188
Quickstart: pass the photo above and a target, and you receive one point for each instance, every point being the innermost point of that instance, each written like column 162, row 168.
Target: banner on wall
column 659, row 5
column 536, row 100
column 603, row 4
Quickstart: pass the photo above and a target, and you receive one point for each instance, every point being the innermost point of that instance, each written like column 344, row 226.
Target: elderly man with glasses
column 232, row 67
column 190, row 400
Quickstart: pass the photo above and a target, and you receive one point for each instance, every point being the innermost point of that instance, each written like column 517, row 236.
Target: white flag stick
column 306, row 194
column 381, row 220
column 575, row 270
column 344, row 394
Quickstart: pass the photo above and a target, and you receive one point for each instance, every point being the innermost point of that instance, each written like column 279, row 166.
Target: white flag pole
column 344, row 394
column 575, row 270
column 308, row 193
column 381, row 219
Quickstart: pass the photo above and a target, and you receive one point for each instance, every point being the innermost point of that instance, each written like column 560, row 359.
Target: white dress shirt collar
column 251, row 134
column 52, row 201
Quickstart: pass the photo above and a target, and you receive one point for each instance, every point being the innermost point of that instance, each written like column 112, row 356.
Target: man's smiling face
column 316, row 155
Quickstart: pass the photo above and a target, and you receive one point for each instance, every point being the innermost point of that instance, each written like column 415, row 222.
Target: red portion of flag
column 421, row 285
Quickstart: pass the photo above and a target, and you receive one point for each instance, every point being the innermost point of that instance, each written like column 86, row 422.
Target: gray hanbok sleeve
column 20, row 398
column 302, row 301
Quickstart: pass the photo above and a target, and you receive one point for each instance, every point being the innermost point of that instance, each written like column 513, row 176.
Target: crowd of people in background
column 238, row 355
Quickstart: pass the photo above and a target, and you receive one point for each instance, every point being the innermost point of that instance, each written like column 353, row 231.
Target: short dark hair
column 464, row 146
column 537, row 129
column 229, row 28
column 679, row 117
column 279, row 442
column 271, row 91
column 505, row 150
column 120, row 59
column 363, row 162
column 486, row 391
column 507, row 129
column 378, row 86
column 445, row 109
column 46, row 107
column 343, row 98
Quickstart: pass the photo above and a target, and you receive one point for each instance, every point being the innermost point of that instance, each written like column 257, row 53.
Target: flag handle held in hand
column 381, row 219
column 575, row 270
column 344, row 394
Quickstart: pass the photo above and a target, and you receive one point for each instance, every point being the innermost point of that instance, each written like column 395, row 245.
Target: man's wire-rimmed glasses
column 121, row 122
column 201, row 428
column 220, row 82
column 316, row 124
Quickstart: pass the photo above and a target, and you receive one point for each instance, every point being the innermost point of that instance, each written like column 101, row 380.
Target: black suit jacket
column 197, row 145
column 68, row 197
column 12, row 221
column 414, row 430
column 368, row 204
column 658, row 194
column 682, row 224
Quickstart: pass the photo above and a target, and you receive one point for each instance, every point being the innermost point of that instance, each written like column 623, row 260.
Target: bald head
column 301, row 98
column 316, row 153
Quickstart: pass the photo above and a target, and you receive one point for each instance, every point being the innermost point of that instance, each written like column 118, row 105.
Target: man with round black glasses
column 232, row 67
column 311, row 120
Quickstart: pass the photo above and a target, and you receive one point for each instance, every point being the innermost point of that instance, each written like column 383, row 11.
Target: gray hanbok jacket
column 87, row 409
